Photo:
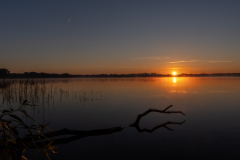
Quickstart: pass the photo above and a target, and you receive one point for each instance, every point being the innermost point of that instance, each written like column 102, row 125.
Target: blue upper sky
column 120, row 36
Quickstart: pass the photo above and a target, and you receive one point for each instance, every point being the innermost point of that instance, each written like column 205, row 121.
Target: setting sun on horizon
column 174, row 73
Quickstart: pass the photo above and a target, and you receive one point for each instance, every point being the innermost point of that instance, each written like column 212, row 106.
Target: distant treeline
column 5, row 73
column 161, row 75
column 40, row 75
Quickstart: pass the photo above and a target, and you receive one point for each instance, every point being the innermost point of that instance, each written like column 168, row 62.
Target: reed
column 12, row 144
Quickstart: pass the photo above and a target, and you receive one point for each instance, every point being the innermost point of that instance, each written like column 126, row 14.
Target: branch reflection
column 136, row 123
column 157, row 127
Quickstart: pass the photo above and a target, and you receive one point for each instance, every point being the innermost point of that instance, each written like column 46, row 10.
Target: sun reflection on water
column 174, row 79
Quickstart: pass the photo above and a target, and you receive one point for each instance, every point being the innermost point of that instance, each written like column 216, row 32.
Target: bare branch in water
column 154, row 110
column 77, row 134
column 157, row 127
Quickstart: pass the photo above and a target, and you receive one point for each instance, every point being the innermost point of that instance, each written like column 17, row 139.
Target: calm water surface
column 211, row 129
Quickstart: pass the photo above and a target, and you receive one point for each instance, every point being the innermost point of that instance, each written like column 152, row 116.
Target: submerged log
column 77, row 134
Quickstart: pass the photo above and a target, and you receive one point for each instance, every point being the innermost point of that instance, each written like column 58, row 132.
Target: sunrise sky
column 120, row 36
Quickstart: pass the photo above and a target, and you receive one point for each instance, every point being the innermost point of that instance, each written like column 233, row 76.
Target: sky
column 120, row 36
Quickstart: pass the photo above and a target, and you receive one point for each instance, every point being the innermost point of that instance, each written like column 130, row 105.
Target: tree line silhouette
column 5, row 73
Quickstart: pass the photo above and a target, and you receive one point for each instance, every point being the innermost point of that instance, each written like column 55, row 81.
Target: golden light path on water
column 178, row 84
column 174, row 79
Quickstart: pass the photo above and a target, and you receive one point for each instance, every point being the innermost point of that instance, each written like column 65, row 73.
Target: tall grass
column 12, row 144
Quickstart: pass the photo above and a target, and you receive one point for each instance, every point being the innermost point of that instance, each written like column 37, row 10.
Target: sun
column 174, row 73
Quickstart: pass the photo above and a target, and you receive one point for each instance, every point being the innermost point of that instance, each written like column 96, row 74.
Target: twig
column 157, row 127
column 154, row 110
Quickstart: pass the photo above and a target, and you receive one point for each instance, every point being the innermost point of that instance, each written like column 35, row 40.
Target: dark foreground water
column 209, row 130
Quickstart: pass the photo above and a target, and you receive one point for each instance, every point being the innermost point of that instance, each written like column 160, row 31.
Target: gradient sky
column 120, row 36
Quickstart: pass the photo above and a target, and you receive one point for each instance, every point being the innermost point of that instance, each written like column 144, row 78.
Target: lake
column 210, row 128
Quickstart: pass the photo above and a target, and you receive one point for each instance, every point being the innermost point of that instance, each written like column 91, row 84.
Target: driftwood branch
column 77, row 134
column 157, row 127
column 154, row 110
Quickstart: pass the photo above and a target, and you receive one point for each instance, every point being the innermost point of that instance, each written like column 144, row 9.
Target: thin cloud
column 151, row 58
column 201, row 61
column 174, row 68
column 194, row 69
column 219, row 61
column 184, row 61
column 69, row 19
